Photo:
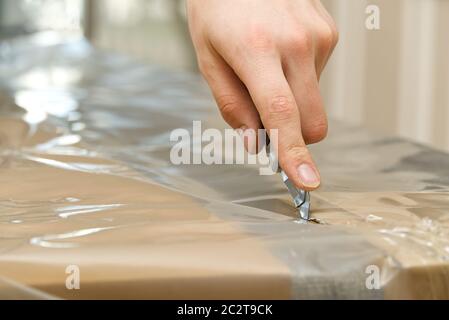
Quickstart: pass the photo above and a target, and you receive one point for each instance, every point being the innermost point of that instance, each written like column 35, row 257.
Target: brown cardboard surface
column 85, row 179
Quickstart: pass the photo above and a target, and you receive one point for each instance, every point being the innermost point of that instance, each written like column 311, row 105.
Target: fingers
column 278, row 110
column 232, row 97
column 304, row 84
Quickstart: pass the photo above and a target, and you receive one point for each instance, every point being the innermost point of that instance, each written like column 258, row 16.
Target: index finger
column 277, row 108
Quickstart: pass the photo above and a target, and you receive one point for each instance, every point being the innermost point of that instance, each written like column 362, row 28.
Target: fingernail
column 308, row 176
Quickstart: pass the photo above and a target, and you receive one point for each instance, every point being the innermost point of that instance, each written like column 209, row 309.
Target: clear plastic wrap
column 86, row 180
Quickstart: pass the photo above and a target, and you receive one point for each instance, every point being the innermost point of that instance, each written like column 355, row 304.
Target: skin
column 262, row 60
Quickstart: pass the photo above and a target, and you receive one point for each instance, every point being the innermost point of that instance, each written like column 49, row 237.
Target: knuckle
column 228, row 105
column 326, row 35
column 316, row 131
column 296, row 151
column 281, row 108
column 300, row 42
column 326, row 38
column 330, row 34
column 335, row 33
column 258, row 40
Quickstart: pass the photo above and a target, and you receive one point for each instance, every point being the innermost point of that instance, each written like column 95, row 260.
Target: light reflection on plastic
column 65, row 140
column 34, row 116
column 78, row 126
column 47, row 240
column 50, row 77
column 82, row 209
column 39, row 104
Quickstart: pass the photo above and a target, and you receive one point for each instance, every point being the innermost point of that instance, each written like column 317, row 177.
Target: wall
column 393, row 80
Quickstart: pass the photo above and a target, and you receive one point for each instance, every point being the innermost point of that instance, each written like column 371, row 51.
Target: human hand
column 262, row 60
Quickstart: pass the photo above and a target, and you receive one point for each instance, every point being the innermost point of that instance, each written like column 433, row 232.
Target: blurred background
column 394, row 80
